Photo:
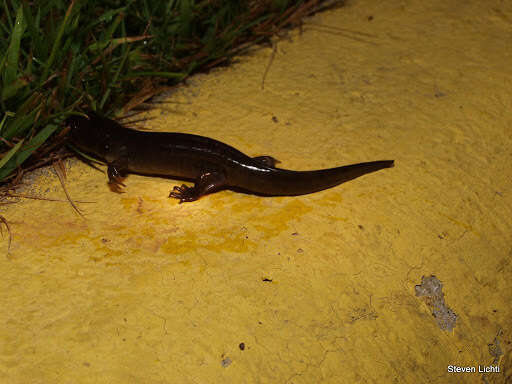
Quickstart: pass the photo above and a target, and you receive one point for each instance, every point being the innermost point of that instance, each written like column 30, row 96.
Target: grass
column 57, row 57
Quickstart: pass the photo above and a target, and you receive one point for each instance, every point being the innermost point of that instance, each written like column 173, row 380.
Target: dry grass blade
column 348, row 33
column 270, row 61
column 44, row 198
column 61, row 173
column 147, row 91
column 4, row 220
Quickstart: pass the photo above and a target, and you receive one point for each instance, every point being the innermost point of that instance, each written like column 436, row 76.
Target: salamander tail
column 288, row 183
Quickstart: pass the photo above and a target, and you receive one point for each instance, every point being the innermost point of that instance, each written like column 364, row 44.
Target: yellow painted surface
column 144, row 290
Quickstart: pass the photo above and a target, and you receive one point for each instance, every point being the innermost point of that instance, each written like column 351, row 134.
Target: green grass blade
column 168, row 75
column 35, row 35
column 114, row 79
column 4, row 119
column 23, row 154
column 11, row 89
column 84, row 155
column 7, row 14
column 10, row 154
column 13, row 52
column 21, row 124
column 56, row 44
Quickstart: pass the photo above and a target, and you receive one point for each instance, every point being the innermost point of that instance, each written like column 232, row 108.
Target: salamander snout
column 74, row 122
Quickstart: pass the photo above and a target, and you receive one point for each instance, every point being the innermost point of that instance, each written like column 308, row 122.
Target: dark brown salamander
column 211, row 164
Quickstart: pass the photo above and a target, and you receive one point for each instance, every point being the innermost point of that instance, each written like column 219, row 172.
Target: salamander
column 211, row 164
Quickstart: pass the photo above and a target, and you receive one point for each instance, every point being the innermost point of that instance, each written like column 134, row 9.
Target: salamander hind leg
column 267, row 161
column 208, row 182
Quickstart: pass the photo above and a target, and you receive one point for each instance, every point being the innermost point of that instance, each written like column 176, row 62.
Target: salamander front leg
column 115, row 177
column 208, row 182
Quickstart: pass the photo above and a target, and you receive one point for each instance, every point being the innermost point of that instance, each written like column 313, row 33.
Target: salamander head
column 90, row 134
